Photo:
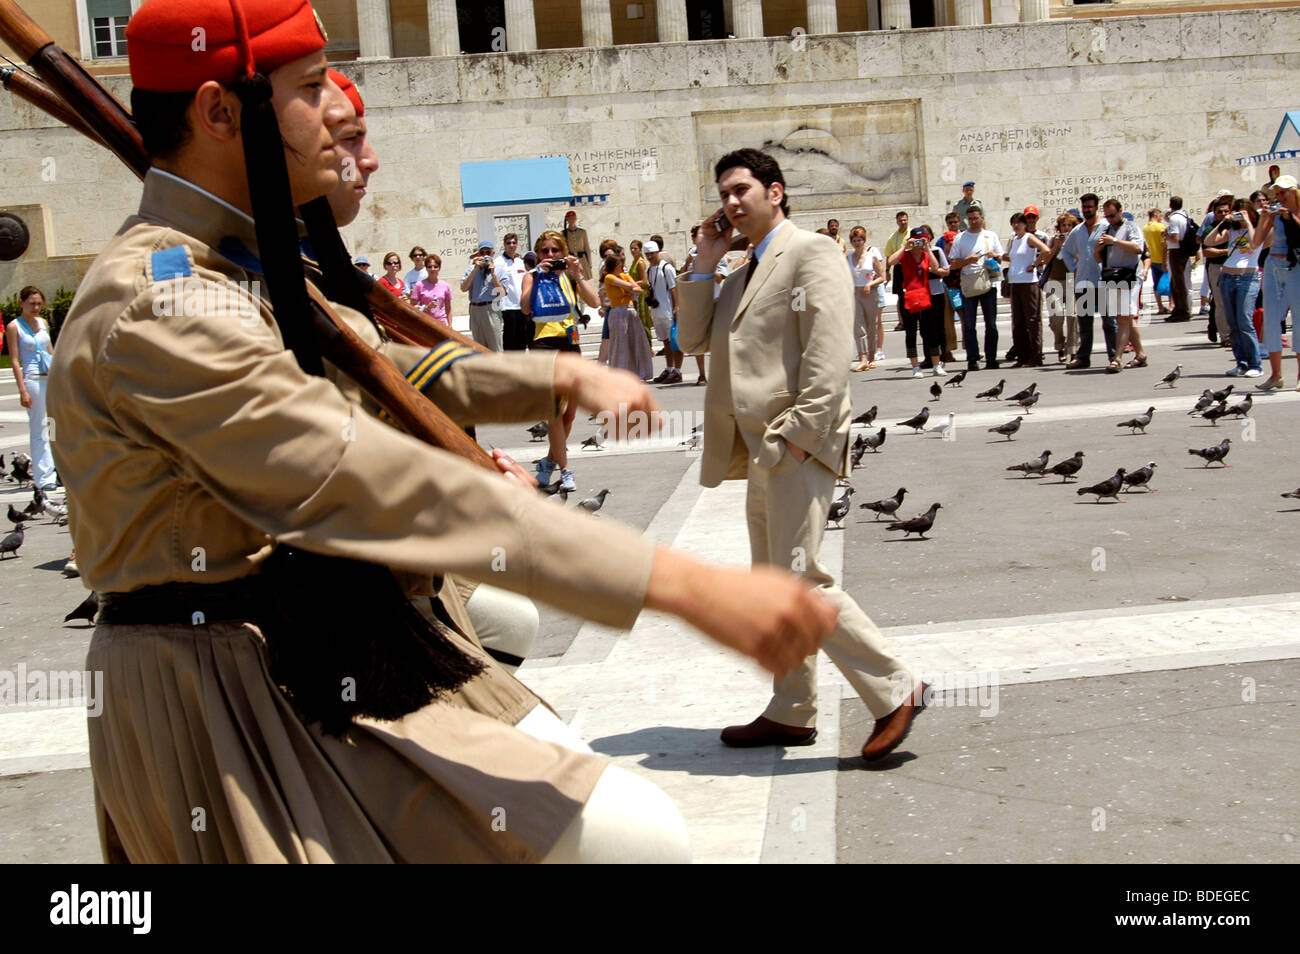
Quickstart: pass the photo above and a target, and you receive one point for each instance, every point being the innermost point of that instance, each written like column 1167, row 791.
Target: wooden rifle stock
column 76, row 98
column 25, row 86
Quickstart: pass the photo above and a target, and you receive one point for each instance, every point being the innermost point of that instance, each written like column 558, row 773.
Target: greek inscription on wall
column 976, row 139
column 596, row 168
column 1137, row 191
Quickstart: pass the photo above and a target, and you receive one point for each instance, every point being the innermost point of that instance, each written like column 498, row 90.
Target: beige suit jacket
column 781, row 350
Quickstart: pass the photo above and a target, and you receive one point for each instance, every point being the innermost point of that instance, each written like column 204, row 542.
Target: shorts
column 663, row 326
column 555, row 343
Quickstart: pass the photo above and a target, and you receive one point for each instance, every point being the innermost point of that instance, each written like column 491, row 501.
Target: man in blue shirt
column 1078, row 255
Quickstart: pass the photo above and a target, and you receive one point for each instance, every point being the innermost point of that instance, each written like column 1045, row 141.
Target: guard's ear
column 215, row 111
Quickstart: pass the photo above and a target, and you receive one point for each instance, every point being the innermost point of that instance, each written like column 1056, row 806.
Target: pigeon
column 889, row 506
column 1140, row 422
column 1033, row 466
column 859, row 441
column 691, row 442
column 85, row 610
column 918, row 422
column 1204, row 401
column 549, row 490
column 1294, row 495
column 16, row 515
column 936, row 392
column 943, row 426
column 2, row 464
column 918, row 524
column 994, row 392
column 12, row 542
column 561, row 495
column 1029, row 401
column 1021, row 395
column 956, row 380
column 1141, row 477
column 55, row 512
column 855, row 457
column 596, row 441
column 874, row 442
column 867, row 418
column 37, row 505
column 20, row 469
column 1172, row 376
column 539, row 431
column 1107, row 488
column 1212, row 454
column 592, row 504
column 839, row 508
column 1007, row 429
column 1067, row 468
column 1213, row 414
column 1241, row 408
column 1222, row 395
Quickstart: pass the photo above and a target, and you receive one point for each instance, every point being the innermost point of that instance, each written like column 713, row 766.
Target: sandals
column 1113, row 368
column 1138, row 362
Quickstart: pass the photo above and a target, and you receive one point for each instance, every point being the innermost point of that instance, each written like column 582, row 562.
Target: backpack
column 1191, row 239
column 552, row 298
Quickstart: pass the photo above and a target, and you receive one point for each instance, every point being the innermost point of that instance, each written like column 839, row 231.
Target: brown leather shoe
column 763, row 731
column 893, row 728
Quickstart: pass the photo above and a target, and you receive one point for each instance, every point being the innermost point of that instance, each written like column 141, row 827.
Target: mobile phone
column 722, row 223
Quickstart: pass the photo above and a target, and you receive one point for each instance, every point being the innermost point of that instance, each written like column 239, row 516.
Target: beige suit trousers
column 786, row 506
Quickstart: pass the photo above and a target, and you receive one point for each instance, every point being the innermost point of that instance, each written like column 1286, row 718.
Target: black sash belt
column 344, row 639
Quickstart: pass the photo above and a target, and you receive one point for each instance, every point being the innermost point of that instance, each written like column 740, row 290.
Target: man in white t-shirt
column 1177, row 261
column 516, row 330
column 663, row 310
column 969, row 252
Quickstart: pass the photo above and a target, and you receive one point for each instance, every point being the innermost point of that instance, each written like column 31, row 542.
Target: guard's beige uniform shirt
column 190, row 441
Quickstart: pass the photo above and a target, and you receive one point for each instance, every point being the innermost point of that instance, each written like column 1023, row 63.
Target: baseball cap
column 1031, row 210
column 1284, row 182
column 361, row 260
column 486, row 244
column 650, row 247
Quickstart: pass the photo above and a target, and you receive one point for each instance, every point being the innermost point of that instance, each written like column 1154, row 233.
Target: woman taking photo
column 1023, row 254
column 390, row 279
column 1279, row 232
column 30, row 350
column 919, row 263
column 868, row 268
column 431, row 294
column 1239, row 286
column 629, row 348
column 549, row 296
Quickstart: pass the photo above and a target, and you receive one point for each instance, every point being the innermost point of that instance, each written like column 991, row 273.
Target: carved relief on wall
column 850, row 155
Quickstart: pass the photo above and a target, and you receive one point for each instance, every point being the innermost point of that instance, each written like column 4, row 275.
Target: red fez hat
column 175, row 46
column 350, row 91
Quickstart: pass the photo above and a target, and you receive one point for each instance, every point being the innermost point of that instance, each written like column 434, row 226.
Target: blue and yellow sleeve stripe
column 429, row 368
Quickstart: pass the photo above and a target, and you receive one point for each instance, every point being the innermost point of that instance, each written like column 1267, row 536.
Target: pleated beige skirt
column 198, row 757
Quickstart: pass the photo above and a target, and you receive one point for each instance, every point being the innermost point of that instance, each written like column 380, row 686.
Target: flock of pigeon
column 20, row 470
column 1211, row 406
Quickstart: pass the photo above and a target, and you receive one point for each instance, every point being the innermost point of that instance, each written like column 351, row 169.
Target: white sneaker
column 918, row 373
column 880, row 355
column 566, row 480
column 939, row 372
column 1252, row 373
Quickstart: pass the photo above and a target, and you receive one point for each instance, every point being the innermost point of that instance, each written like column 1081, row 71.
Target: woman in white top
column 1023, row 255
column 30, row 350
column 1239, row 285
column 868, row 268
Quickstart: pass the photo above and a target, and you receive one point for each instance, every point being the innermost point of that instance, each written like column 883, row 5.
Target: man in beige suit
column 777, row 411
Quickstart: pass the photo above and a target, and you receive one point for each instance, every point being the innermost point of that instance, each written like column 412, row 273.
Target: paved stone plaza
column 1122, row 676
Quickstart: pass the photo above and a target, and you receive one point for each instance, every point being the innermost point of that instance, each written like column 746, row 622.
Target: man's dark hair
column 1175, row 203
column 658, row 240
column 162, row 121
column 899, row 215
column 1113, row 203
column 1089, row 197
column 829, row 221
column 509, row 236
column 762, row 166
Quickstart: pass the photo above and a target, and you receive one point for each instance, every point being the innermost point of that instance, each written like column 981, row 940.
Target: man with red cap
column 254, row 538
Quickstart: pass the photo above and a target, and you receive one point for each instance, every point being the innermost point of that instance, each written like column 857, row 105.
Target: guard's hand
column 511, row 469
column 611, row 392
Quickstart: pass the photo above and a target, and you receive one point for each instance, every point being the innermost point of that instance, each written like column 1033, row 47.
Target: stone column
column 597, row 24
column 1034, row 10
column 747, row 18
column 969, row 12
column 521, row 27
column 374, row 30
column 670, row 17
column 1004, row 11
column 821, row 17
column 444, row 30
column 895, row 15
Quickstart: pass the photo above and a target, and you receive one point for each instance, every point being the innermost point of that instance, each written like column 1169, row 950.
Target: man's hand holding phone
column 712, row 242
